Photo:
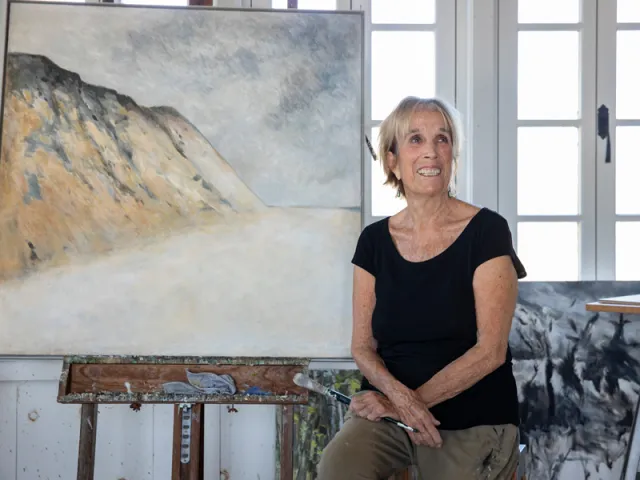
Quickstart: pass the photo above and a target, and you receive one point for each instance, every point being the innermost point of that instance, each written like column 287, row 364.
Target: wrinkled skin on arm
column 495, row 287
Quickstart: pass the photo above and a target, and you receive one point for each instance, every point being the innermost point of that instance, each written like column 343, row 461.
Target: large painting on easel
column 179, row 181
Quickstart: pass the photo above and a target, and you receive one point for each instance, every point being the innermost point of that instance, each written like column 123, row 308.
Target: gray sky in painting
column 276, row 93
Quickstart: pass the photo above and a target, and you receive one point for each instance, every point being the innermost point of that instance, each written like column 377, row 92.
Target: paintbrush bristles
column 305, row 382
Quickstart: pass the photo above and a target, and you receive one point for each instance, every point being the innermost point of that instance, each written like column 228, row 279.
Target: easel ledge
column 139, row 379
column 91, row 380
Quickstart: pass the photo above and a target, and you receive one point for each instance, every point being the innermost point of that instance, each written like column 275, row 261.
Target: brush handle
column 340, row 397
column 347, row 401
column 400, row 424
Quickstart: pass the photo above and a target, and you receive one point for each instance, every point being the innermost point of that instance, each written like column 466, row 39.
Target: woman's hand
column 372, row 406
column 414, row 413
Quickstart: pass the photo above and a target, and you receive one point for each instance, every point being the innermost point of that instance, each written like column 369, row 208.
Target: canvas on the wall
column 179, row 181
column 578, row 377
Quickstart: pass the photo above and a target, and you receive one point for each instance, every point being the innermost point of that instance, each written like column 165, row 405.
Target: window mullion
column 605, row 172
column 445, row 50
column 508, row 114
column 588, row 222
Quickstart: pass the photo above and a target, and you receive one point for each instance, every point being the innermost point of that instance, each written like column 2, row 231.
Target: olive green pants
column 376, row 450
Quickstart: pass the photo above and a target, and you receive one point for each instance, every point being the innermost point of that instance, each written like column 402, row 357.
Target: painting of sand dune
column 172, row 200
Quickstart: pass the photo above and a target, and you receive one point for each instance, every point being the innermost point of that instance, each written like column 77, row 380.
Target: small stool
column 403, row 475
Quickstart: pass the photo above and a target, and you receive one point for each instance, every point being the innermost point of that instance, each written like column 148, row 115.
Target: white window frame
column 606, row 172
column 606, row 94
column 508, row 124
column 477, row 100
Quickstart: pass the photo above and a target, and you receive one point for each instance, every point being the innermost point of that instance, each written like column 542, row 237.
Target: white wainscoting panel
column 39, row 436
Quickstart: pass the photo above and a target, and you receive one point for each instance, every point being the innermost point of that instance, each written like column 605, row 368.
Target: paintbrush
column 305, row 382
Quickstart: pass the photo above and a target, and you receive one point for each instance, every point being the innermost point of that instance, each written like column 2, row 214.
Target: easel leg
column 188, row 429
column 286, row 443
column 87, row 443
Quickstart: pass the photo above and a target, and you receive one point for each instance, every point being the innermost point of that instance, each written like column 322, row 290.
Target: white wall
column 39, row 437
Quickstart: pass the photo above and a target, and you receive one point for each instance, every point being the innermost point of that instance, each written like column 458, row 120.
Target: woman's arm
column 495, row 287
column 363, row 345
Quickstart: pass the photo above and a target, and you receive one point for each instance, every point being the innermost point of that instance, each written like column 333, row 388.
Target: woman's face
column 424, row 160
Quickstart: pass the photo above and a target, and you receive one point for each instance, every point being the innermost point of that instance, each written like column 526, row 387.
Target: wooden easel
column 92, row 380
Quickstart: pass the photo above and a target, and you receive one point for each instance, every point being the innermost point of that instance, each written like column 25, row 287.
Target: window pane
column 549, row 251
column 627, row 171
column 397, row 71
column 316, row 4
column 627, row 254
column 628, row 75
column 548, row 170
column 548, row 75
column 383, row 198
column 548, row 11
column 628, row 11
column 403, row 11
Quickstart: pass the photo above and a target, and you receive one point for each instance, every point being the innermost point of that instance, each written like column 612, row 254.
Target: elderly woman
column 435, row 289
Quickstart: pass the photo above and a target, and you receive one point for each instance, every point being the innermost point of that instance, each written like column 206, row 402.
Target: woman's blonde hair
column 396, row 126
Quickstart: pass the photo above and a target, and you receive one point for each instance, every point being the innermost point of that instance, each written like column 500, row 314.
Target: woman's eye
column 415, row 139
column 443, row 138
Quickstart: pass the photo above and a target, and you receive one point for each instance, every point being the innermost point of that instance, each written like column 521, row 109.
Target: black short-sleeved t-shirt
column 424, row 316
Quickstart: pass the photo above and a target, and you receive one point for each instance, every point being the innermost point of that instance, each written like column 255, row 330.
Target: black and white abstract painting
column 578, row 376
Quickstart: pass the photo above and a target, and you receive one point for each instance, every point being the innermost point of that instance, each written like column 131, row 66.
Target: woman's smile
column 429, row 171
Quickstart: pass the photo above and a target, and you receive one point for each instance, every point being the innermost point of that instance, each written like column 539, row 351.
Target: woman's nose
column 428, row 151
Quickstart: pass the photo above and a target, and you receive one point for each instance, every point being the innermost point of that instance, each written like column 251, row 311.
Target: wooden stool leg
column 404, row 475
column 193, row 469
column 286, row 443
column 87, row 443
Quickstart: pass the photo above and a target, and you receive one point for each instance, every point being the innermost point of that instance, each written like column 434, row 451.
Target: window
column 618, row 196
column 410, row 51
column 574, row 210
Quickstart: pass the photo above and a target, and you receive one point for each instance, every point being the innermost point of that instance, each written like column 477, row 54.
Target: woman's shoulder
column 493, row 238
column 482, row 224
column 376, row 229
column 368, row 246
column 491, row 217
column 483, row 217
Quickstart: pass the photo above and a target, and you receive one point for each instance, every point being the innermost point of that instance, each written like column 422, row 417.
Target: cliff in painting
column 87, row 170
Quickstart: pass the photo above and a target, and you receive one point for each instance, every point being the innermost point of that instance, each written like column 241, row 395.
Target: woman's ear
column 393, row 164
